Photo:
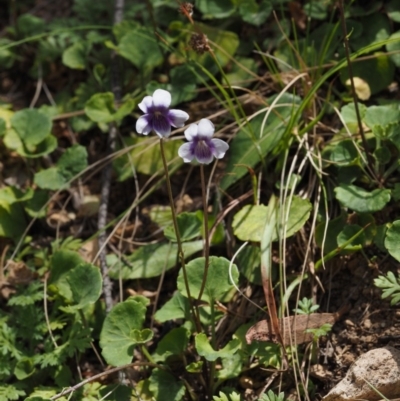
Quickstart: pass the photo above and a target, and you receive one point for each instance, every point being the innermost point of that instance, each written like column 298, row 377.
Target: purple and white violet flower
column 158, row 117
column 202, row 146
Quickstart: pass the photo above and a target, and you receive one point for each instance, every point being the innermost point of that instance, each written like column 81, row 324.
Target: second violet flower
column 202, row 146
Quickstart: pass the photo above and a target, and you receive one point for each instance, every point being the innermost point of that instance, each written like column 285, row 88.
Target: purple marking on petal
column 146, row 104
column 143, row 125
column 177, row 118
column 206, row 128
column 186, row 152
column 191, row 132
column 161, row 99
column 161, row 126
column 203, row 151
column 220, row 148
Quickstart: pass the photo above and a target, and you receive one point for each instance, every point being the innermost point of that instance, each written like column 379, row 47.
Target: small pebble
column 367, row 323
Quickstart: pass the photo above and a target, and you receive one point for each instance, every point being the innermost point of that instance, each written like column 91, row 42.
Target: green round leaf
column 249, row 223
column 31, row 126
column 253, row 13
column 175, row 308
column 100, row 107
column 140, row 47
column 218, row 281
column 392, row 240
column 75, row 56
column 85, row 282
column 51, row 179
column 174, row 342
column 24, row 368
column 215, row 8
column 383, row 120
column 360, row 200
column 189, row 226
column 166, row 387
column 115, row 338
column 205, row 349
column 394, row 47
column 73, row 161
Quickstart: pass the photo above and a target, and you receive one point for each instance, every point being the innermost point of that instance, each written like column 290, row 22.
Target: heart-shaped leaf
column 360, row 200
column 218, row 281
column 116, row 335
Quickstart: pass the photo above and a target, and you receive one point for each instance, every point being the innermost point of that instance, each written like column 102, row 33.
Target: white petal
column 142, row 125
column 191, row 132
column 146, row 103
column 161, row 98
column 206, row 128
column 185, row 152
column 177, row 118
column 220, row 148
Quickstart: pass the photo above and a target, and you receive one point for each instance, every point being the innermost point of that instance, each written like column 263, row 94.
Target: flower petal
column 143, row 125
column 146, row 104
column 206, row 128
column 203, row 152
column 177, row 118
column 161, row 126
column 185, row 152
column 191, row 132
column 220, row 147
column 161, row 98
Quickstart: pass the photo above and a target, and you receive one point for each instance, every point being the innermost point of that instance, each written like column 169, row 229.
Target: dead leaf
column 19, row 273
column 292, row 328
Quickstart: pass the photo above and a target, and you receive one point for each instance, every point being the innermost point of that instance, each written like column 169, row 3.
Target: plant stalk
column 206, row 233
column 353, row 89
column 195, row 312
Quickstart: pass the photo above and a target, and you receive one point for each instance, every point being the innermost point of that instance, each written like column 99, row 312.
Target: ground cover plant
column 198, row 201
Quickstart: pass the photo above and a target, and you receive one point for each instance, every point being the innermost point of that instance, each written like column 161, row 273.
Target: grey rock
column 380, row 367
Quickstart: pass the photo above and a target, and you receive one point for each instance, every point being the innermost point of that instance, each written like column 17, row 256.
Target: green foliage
column 306, row 307
column 205, row 349
column 271, row 396
column 30, row 134
column 100, row 108
column 360, row 200
column 233, row 396
column 218, row 282
column 249, row 222
column 119, row 333
column 71, row 163
column 390, row 286
column 271, row 82
column 320, row 331
column 392, row 239
column 258, row 139
column 150, row 260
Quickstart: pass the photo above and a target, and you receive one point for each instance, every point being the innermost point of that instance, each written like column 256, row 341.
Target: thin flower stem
column 213, row 342
column 195, row 311
column 370, row 159
column 206, row 233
